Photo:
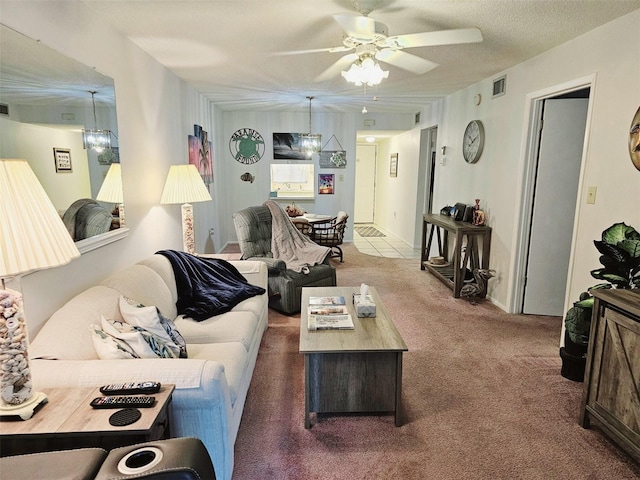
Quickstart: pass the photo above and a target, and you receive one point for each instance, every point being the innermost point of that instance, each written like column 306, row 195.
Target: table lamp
column 184, row 185
column 32, row 237
column 111, row 190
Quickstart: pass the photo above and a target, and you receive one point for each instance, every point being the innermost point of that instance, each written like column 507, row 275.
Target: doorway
column 426, row 178
column 559, row 129
column 365, row 184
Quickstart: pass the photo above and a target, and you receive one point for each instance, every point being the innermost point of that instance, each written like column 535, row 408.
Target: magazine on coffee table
column 328, row 313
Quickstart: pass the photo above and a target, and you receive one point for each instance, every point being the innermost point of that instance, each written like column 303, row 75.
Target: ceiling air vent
column 4, row 109
column 500, row 86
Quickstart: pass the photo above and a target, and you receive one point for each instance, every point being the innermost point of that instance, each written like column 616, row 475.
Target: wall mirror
column 45, row 103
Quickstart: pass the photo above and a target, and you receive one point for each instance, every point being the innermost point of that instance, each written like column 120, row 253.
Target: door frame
column 428, row 141
column 531, row 143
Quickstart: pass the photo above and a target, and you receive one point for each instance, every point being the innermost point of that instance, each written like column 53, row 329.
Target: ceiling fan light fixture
column 365, row 71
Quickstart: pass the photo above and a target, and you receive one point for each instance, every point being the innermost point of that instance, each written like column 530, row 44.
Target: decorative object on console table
column 32, row 237
column 478, row 215
column 184, row 185
column 111, row 191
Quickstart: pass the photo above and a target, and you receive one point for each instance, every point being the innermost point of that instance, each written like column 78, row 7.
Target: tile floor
column 387, row 246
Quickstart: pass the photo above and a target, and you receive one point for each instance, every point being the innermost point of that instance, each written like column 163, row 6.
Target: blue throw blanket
column 207, row 286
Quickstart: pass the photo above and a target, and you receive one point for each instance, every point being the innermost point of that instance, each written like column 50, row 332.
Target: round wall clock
column 473, row 141
column 246, row 145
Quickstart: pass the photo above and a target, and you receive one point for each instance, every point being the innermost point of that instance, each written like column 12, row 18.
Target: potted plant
column 620, row 259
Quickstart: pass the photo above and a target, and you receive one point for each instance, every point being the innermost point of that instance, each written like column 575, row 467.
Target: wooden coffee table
column 351, row 371
column 68, row 421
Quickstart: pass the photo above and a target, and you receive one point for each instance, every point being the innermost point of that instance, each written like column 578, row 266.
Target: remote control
column 130, row 388
column 123, row 402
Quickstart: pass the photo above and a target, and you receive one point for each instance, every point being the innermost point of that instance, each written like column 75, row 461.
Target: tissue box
column 365, row 308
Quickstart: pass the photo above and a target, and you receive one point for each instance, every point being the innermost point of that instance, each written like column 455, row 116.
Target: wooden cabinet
column 612, row 375
column 467, row 238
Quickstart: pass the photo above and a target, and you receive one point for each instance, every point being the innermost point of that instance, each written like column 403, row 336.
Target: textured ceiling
column 226, row 49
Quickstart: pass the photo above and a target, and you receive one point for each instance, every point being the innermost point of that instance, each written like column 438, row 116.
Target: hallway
column 387, row 246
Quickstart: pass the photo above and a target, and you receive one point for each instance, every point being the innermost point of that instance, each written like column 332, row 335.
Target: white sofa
column 211, row 385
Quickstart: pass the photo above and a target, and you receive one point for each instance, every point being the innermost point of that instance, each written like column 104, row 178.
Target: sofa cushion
column 145, row 286
column 149, row 318
column 161, row 265
column 66, row 335
column 232, row 326
column 232, row 355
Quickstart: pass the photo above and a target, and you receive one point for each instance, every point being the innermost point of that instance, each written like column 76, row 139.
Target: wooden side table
column 465, row 233
column 68, row 421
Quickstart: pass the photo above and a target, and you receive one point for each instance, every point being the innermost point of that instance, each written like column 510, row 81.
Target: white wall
column 156, row 112
column 238, row 194
column 35, row 144
column 610, row 54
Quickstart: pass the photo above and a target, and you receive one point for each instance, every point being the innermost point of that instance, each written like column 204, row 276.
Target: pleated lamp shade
column 111, row 189
column 184, row 185
column 32, row 235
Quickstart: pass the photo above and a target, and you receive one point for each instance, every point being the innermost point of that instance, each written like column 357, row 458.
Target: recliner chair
column 253, row 227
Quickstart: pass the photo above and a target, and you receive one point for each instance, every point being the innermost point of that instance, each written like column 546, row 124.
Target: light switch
column 591, row 195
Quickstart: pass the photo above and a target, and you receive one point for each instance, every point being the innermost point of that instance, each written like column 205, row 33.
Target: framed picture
column 62, row 157
column 288, row 146
column 393, row 165
column 325, row 183
column 201, row 154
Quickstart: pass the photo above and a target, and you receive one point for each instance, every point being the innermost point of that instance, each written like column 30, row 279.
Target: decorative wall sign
column 288, row 146
column 201, row 154
column 62, row 158
column 333, row 159
column 246, row 146
column 325, row 183
column 393, row 165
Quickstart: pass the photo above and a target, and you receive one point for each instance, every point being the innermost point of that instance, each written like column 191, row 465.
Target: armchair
column 254, row 229
column 331, row 233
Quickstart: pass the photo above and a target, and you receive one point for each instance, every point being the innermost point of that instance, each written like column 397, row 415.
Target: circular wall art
column 246, row 145
column 634, row 140
column 473, row 141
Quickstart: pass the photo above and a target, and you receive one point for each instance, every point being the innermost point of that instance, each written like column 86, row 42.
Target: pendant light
column 310, row 142
column 96, row 139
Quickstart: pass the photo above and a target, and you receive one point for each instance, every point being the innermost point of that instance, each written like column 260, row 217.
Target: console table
column 611, row 395
column 465, row 234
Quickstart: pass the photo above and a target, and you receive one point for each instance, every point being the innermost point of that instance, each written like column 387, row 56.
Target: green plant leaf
column 618, row 232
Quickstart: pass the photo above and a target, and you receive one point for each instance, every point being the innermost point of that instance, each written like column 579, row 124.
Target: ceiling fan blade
column 429, row 39
column 341, row 48
column 356, row 25
column 335, row 69
column 406, row 61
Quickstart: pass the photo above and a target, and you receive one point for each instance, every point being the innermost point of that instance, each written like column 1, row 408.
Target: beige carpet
column 482, row 397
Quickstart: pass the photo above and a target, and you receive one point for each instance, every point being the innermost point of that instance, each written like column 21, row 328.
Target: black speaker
column 468, row 214
column 458, row 211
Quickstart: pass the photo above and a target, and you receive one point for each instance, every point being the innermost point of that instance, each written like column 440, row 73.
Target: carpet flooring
column 482, row 397
column 369, row 232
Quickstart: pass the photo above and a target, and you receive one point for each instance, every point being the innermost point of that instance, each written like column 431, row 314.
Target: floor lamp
column 111, row 190
column 184, row 185
column 32, row 237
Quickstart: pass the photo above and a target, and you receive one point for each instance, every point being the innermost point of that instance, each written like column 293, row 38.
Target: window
column 292, row 180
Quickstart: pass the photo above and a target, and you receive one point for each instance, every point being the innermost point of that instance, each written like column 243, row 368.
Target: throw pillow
column 108, row 347
column 143, row 342
column 150, row 318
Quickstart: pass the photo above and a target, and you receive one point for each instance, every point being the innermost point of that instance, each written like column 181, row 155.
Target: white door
column 556, row 190
column 365, row 184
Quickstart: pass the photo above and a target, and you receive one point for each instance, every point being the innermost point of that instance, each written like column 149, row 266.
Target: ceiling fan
column 367, row 38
